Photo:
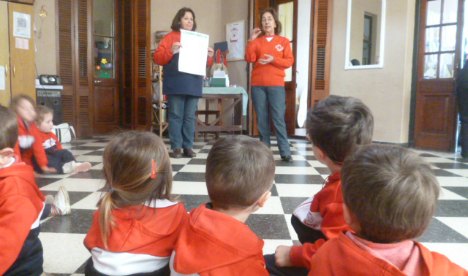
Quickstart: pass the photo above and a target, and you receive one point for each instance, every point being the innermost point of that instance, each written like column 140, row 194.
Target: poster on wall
column 21, row 25
column 235, row 37
column 2, row 79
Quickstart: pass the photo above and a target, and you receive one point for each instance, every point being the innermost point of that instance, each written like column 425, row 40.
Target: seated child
column 58, row 158
column 30, row 149
column 216, row 241
column 390, row 195
column 336, row 126
column 21, row 206
column 136, row 225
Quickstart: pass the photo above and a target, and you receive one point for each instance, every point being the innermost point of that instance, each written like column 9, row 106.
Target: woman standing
column 271, row 54
column 182, row 89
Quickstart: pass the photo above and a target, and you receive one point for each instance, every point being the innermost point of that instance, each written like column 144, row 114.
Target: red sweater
column 141, row 240
column 30, row 145
column 271, row 74
column 213, row 243
column 341, row 256
column 327, row 208
column 21, row 204
column 48, row 140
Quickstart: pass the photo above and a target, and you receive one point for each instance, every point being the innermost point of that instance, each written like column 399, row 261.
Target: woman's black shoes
column 286, row 158
column 189, row 153
column 176, row 153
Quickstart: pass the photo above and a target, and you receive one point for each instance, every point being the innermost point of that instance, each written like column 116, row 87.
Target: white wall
column 45, row 38
column 208, row 14
column 386, row 91
column 302, row 60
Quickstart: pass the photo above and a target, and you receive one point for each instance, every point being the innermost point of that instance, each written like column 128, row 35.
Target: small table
column 239, row 98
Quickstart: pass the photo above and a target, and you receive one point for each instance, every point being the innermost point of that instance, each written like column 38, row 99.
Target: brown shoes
column 177, row 153
column 189, row 153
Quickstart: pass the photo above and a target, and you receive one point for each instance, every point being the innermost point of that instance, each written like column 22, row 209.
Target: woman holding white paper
column 270, row 54
column 182, row 89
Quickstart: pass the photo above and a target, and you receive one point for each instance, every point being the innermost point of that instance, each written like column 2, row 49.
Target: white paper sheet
column 21, row 25
column 193, row 52
column 22, row 43
column 2, row 78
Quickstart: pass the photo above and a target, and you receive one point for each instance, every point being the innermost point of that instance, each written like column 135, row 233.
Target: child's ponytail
column 105, row 216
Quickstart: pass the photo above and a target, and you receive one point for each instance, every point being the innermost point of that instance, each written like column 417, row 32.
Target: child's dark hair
column 391, row 191
column 8, row 128
column 239, row 169
column 17, row 99
column 175, row 26
column 337, row 125
column 137, row 169
column 42, row 110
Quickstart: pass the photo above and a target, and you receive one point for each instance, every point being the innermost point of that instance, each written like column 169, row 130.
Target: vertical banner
column 235, row 37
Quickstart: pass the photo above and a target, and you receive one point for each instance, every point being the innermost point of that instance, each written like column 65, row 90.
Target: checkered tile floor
column 62, row 237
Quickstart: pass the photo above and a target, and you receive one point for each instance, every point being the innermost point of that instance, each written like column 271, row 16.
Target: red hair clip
column 154, row 170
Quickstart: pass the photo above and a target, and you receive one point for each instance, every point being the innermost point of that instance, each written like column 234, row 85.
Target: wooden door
column 105, row 67
column 287, row 11
column 126, row 95
column 5, row 93
column 22, row 69
column 82, row 70
column 66, row 62
column 435, row 120
column 320, row 51
column 141, row 52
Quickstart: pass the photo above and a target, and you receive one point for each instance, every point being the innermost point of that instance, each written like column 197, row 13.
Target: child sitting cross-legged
column 336, row 127
column 22, row 206
column 60, row 159
column 216, row 241
column 137, row 223
column 390, row 195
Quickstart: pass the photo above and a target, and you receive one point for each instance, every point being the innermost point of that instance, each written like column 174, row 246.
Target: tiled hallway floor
column 62, row 237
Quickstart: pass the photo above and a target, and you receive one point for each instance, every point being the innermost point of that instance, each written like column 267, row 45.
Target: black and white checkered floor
column 62, row 237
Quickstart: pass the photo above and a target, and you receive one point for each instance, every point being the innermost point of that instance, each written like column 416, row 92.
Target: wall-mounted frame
column 365, row 34
column 235, row 37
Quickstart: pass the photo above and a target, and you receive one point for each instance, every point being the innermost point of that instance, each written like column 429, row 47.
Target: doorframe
column 414, row 78
column 415, row 68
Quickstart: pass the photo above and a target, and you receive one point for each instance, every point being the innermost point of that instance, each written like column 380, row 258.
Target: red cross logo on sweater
column 279, row 47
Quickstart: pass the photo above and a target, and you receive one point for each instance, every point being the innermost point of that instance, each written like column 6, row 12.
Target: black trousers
column 55, row 159
column 91, row 271
column 304, row 233
column 462, row 98
column 30, row 259
column 282, row 271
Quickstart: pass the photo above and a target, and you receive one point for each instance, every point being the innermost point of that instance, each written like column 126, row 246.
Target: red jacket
column 271, row 74
column 327, row 206
column 341, row 256
column 146, row 233
column 213, row 243
column 48, row 140
column 29, row 144
column 21, row 204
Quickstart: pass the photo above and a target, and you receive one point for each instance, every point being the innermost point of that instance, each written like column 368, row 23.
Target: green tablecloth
column 230, row 90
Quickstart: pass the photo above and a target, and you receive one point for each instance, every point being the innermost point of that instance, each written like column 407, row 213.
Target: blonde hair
column 239, row 169
column 128, row 166
column 15, row 102
column 42, row 110
column 391, row 191
column 8, row 128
